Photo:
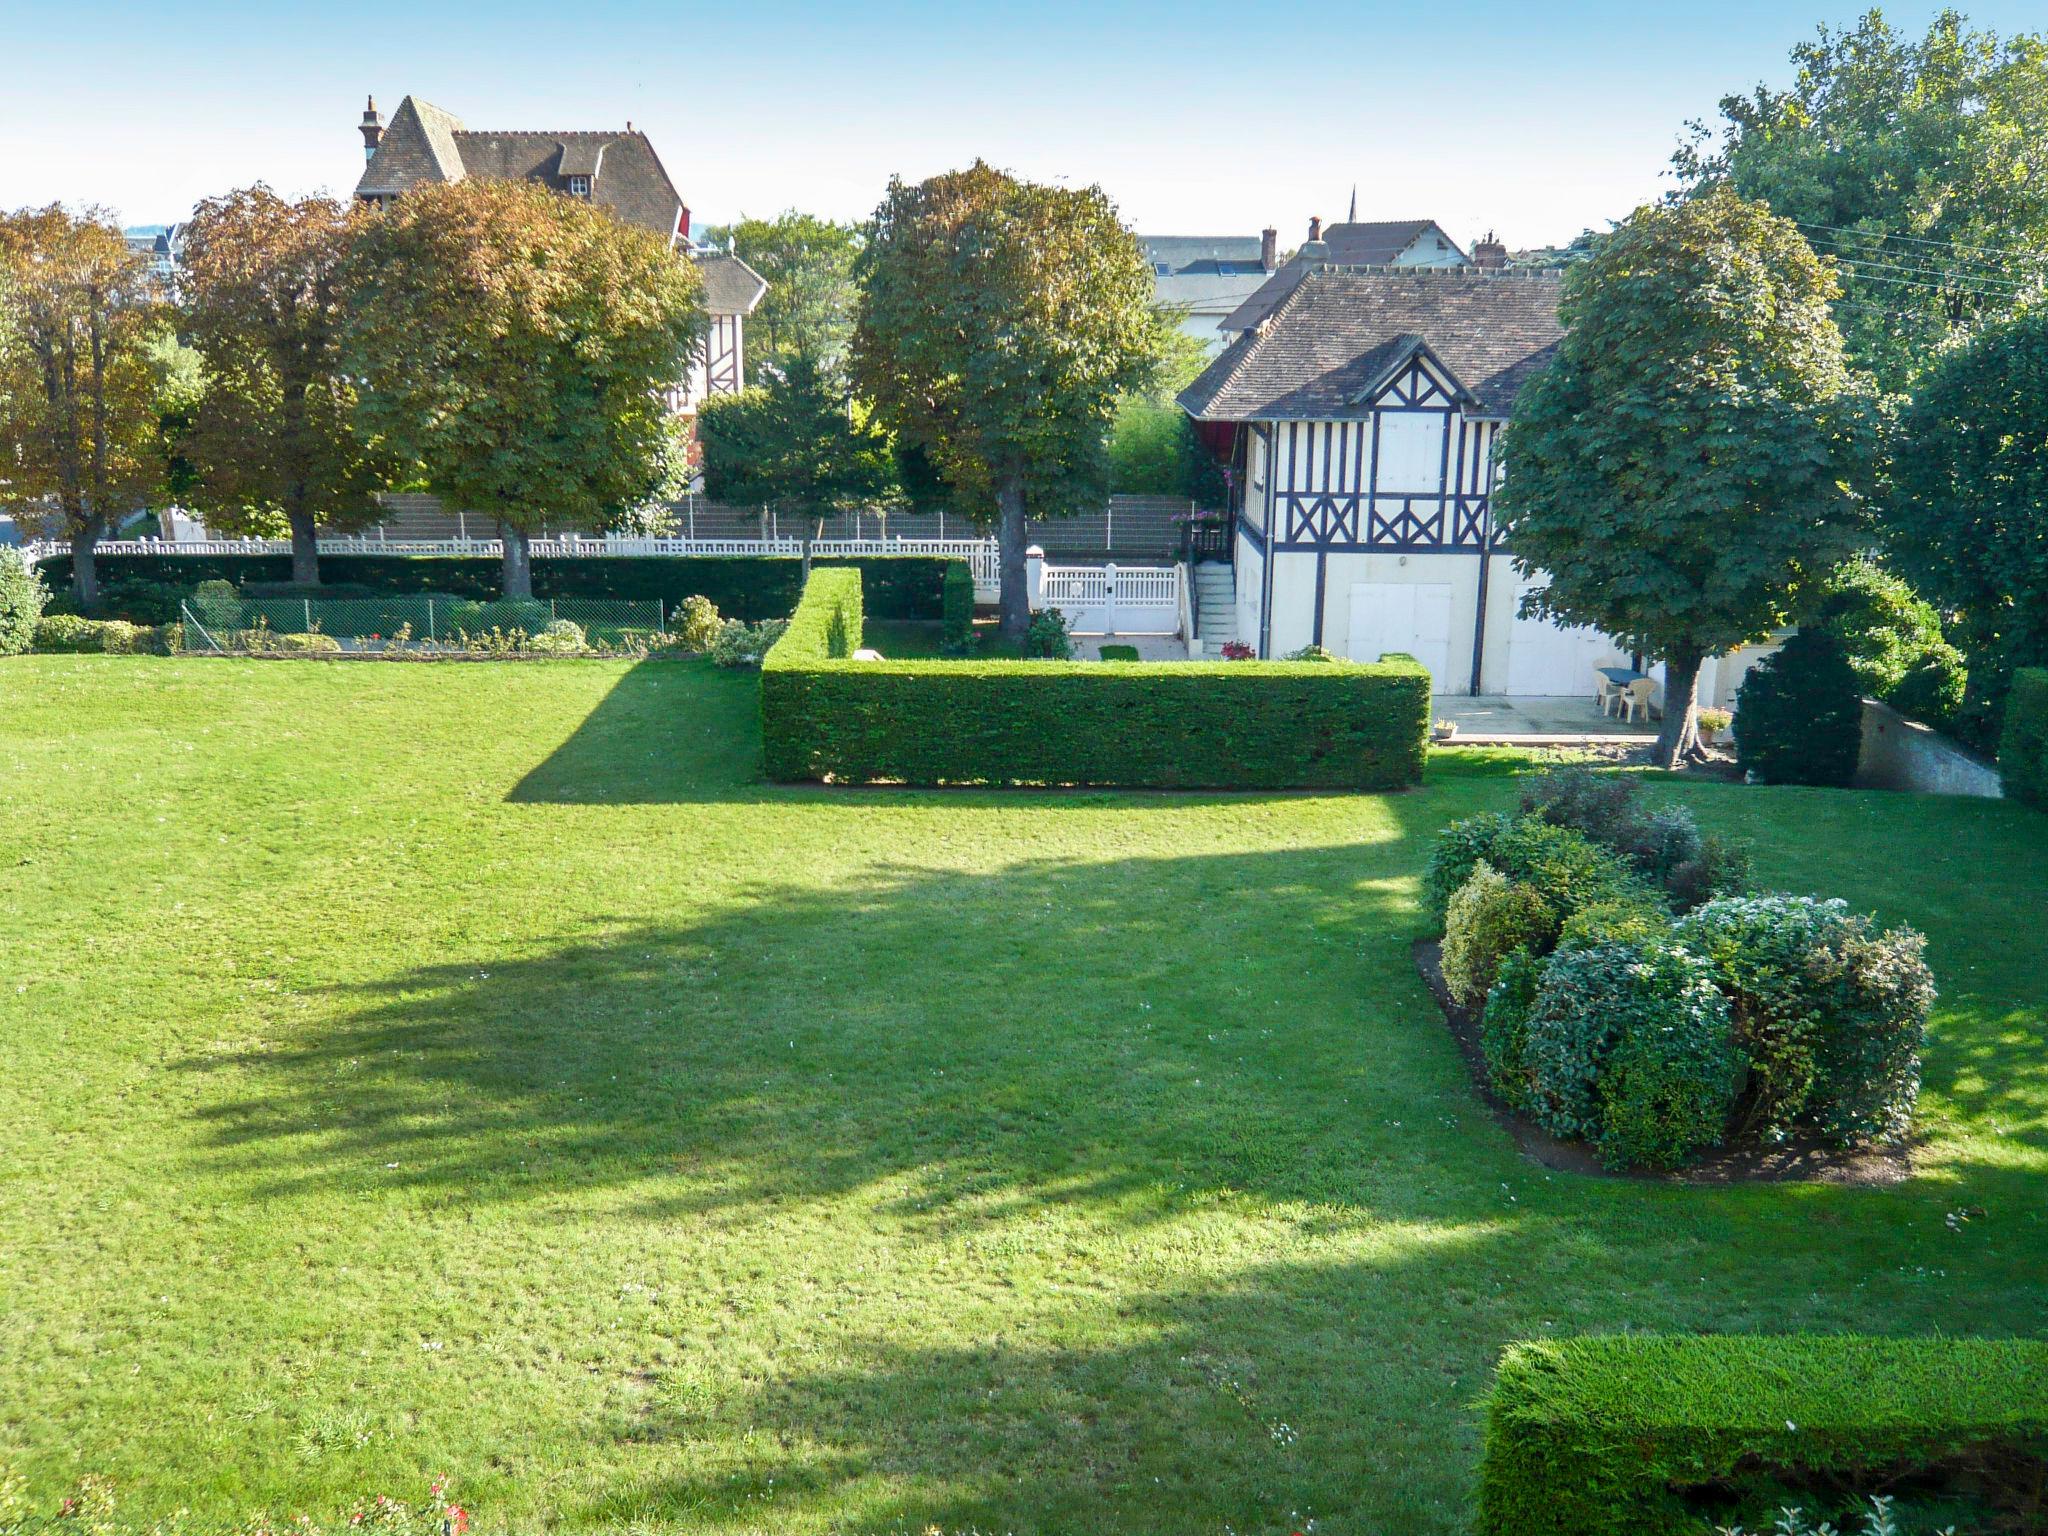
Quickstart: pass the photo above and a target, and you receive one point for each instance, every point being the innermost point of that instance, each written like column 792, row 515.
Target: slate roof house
column 1383, row 243
column 615, row 169
column 1206, row 277
column 1360, row 414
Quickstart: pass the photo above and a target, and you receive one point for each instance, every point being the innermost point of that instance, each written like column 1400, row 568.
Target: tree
column 79, row 428
column 798, row 444
column 1967, row 522
column 999, row 324
column 1154, row 448
column 1917, row 164
column 808, row 309
column 277, row 439
column 517, row 345
column 1693, row 459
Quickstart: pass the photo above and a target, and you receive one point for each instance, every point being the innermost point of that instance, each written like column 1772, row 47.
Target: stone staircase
column 1215, row 605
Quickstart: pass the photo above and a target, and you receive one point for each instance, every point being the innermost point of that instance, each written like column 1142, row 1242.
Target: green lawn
column 475, row 1069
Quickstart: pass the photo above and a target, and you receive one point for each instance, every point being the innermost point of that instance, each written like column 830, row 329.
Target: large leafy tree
column 1968, row 517
column 797, row 444
column 807, row 311
column 517, row 345
column 80, row 355
column 278, row 441
column 1921, row 164
column 1694, row 458
column 1000, row 322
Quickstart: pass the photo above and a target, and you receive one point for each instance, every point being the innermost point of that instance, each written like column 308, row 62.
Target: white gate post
column 1034, row 577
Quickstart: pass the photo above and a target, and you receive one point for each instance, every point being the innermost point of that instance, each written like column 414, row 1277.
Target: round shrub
column 1799, row 714
column 1829, row 1011
column 68, row 633
column 1933, row 689
column 1886, row 629
column 22, row 600
column 1630, row 1046
column 696, row 624
column 1504, row 1028
column 561, row 637
column 1607, row 807
column 1631, row 920
column 1566, row 868
column 1047, row 637
column 1452, row 858
column 311, row 643
column 1488, row 920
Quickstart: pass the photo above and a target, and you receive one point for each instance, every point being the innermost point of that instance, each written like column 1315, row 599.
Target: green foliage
column 1565, row 867
column 1312, row 653
column 1200, row 725
column 2023, row 754
column 696, row 624
column 1457, row 851
column 1968, row 525
column 1899, row 146
column 1627, row 1435
column 1504, row 1028
column 1047, row 638
column 956, row 607
column 22, row 600
column 135, row 598
column 71, row 633
column 1630, row 1047
column 807, row 312
column 1886, row 630
column 1155, row 450
column 1489, row 919
column 1117, row 653
column 1799, row 714
column 1689, row 464
column 1829, row 1012
column 561, row 637
column 744, row 645
column 797, row 444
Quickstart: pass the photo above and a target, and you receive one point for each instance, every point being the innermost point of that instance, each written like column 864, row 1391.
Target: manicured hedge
column 1256, row 725
column 1642, row 1435
column 958, row 604
column 751, row 587
column 2023, row 753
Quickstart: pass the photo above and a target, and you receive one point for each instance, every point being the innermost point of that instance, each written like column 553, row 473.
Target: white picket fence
column 1118, row 599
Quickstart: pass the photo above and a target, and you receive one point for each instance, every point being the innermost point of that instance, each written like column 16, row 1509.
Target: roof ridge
column 1255, row 337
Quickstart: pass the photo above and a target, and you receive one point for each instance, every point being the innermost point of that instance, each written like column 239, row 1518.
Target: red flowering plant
column 1238, row 650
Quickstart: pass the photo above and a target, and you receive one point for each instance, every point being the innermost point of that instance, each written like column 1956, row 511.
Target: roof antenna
column 1354, row 204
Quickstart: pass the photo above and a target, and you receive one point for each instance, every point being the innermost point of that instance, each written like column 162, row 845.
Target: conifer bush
column 22, row 600
column 1799, row 714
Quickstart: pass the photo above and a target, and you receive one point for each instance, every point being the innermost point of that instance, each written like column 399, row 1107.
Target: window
column 579, row 186
column 1162, row 269
column 1225, row 269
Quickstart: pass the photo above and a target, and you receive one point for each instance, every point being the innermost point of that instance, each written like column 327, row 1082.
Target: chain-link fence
column 426, row 624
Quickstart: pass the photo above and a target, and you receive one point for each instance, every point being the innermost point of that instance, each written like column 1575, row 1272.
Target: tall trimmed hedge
column 751, row 587
column 957, row 601
column 1252, row 725
column 1636, row 1436
column 2023, row 752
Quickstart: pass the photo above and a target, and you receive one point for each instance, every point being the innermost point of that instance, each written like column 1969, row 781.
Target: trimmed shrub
column 1606, row 807
column 1047, row 638
column 1666, row 846
column 67, row 633
column 1799, row 714
column 956, row 605
column 563, row 637
column 1454, row 855
column 22, row 600
column 696, row 624
column 1504, row 1029
column 1568, row 869
column 2023, row 752
column 1197, row 725
column 744, row 645
column 1631, row 920
column 1117, row 653
column 1830, row 1012
column 1639, row 1436
column 1630, row 1047
column 1490, row 919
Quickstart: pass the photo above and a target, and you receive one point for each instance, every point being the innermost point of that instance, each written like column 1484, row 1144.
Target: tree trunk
column 1679, row 737
column 518, row 563
column 1015, row 594
column 305, row 550
column 85, row 576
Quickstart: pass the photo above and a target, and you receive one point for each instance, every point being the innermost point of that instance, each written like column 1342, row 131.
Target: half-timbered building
column 1361, row 417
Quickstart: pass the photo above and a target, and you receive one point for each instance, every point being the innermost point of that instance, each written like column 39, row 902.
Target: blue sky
column 1199, row 118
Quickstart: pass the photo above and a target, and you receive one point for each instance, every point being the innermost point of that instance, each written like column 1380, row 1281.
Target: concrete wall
column 1903, row 754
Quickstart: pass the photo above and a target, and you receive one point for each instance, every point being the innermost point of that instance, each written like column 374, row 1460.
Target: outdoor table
column 1621, row 677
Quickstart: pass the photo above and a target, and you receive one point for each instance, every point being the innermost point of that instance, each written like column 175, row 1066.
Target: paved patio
column 1528, row 721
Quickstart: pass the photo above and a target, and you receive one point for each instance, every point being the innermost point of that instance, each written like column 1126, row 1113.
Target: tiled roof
column 425, row 144
column 1337, row 332
column 731, row 287
column 1201, row 253
column 1376, row 244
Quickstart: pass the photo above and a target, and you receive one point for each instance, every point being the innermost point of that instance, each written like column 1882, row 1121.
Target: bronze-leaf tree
column 798, row 443
column 81, row 347
column 277, row 441
column 999, row 324
column 519, row 347
column 1695, row 459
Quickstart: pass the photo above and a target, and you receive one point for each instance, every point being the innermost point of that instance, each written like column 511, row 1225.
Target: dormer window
column 1161, row 269
column 579, row 186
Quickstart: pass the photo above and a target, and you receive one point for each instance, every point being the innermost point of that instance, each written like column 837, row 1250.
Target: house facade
column 1361, row 415
column 1203, row 279
column 617, row 170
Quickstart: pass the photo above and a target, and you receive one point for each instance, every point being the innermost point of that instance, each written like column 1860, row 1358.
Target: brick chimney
column 1269, row 248
column 1315, row 229
column 372, row 127
column 1489, row 255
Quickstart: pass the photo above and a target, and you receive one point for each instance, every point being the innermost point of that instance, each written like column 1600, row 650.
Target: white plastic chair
column 1637, row 696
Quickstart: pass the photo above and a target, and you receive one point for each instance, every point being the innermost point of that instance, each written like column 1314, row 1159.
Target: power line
column 2009, row 251
column 1962, row 271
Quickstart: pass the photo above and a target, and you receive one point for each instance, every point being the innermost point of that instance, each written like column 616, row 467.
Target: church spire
column 1353, row 219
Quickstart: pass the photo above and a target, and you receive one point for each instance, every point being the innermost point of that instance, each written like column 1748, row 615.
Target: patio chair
column 1604, row 691
column 1637, row 696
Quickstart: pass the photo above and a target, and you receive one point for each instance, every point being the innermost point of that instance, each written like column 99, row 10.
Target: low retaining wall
column 1903, row 754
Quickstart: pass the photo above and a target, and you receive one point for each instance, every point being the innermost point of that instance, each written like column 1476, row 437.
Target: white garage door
column 1546, row 660
column 1406, row 616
